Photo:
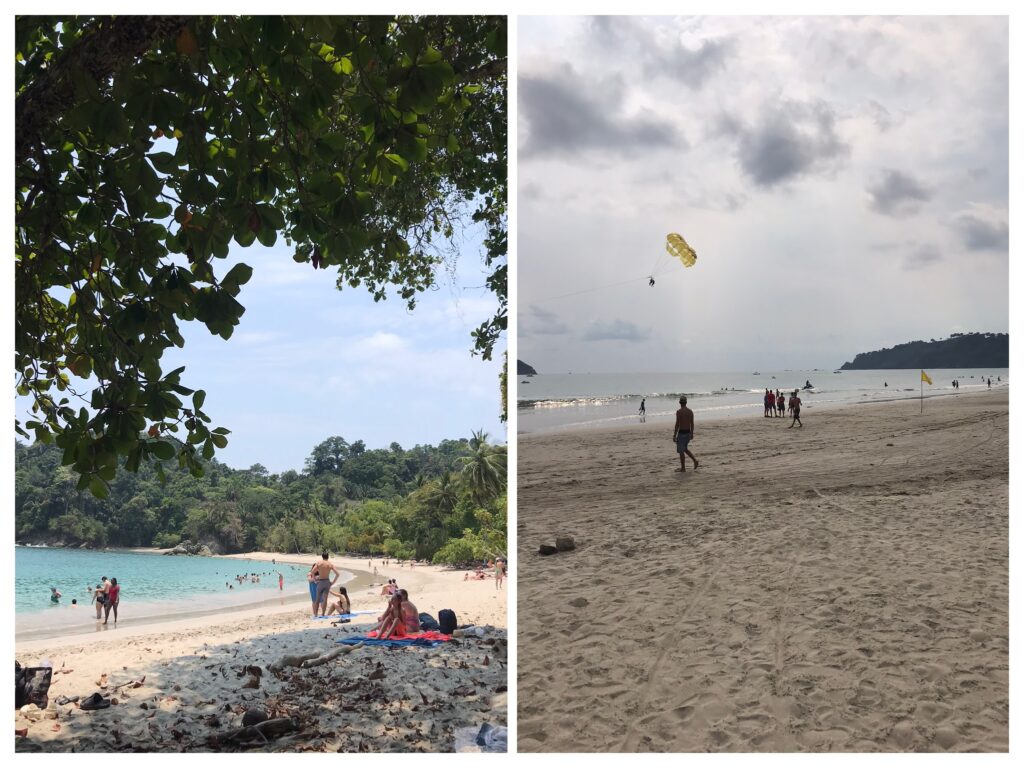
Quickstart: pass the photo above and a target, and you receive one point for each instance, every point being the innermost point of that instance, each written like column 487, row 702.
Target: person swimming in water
column 54, row 595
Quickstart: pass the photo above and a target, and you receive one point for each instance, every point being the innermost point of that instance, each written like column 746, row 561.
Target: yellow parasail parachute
column 679, row 248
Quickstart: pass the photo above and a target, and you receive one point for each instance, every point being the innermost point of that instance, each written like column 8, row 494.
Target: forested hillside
column 961, row 350
column 444, row 502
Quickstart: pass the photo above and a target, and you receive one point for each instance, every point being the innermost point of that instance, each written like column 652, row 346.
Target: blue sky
column 308, row 361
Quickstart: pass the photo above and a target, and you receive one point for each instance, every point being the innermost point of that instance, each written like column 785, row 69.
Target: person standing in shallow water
column 643, row 409
column 113, row 600
column 682, row 435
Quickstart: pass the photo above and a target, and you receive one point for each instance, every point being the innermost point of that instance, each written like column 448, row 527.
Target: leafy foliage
column 403, row 503
column 149, row 147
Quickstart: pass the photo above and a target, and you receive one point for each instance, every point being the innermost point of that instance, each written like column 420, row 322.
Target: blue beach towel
column 419, row 642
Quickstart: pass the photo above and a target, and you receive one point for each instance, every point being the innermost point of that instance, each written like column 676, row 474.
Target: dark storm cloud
column 791, row 139
column 615, row 330
column 537, row 321
column 897, row 194
column 979, row 234
column 566, row 114
column 881, row 116
column 922, row 256
column 691, row 67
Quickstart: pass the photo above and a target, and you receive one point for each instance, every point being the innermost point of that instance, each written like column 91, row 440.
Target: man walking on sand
column 682, row 435
column 794, row 406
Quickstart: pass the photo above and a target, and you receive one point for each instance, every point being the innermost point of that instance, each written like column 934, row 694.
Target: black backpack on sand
column 428, row 623
column 447, row 620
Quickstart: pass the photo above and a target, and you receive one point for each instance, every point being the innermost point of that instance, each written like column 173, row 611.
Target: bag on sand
column 31, row 685
column 447, row 620
column 428, row 623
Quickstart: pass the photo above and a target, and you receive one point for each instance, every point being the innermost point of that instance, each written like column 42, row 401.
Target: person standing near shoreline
column 794, row 406
column 113, row 600
column 322, row 571
column 499, row 572
column 311, row 579
column 682, row 435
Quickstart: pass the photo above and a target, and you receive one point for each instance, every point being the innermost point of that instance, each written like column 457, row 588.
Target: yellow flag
column 924, row 377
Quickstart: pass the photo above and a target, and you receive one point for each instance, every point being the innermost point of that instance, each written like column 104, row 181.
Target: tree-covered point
column 147, row 147
column 444, row 502
column 960, row 350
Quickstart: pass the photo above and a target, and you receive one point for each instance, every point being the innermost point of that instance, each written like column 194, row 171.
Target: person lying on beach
column 410, row 616
column 392, row 622
column 342, row 604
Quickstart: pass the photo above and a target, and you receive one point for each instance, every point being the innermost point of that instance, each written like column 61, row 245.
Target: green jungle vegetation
column 444, row 503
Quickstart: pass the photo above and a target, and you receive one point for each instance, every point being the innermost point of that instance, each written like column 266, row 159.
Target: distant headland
column 522, row 369
column 960, row 350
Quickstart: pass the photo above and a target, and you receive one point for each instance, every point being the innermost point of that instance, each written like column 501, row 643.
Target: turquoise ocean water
column 557, row 402
column 153, row 587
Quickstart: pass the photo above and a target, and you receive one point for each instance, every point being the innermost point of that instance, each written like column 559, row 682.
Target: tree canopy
column 147, row 147
column 400, row 502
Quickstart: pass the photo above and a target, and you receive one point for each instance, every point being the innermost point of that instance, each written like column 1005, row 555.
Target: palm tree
column 484, row 471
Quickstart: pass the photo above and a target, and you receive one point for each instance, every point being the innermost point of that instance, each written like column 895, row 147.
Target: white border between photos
column 567, row 7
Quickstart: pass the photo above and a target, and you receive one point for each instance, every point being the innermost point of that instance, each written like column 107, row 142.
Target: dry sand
column 372, row 699
column 840, row 587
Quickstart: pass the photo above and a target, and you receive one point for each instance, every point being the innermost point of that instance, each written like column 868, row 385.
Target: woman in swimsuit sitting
column 392, row 623
column 410, row 615
column 342, row 605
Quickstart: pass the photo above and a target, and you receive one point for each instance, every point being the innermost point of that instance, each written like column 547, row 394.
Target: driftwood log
column 293, row 661
column 313, row 659
column 341, row 650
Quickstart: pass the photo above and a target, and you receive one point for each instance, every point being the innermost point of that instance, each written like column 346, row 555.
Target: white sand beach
column 193, row 675
column 840, row 587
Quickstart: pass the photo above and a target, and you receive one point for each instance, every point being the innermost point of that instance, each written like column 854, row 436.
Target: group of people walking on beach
column 775, row 405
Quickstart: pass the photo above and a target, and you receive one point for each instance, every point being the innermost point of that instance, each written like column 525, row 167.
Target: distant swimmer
column 54, row 595
column 808, row 385
column 682, row 434
column 650, row 282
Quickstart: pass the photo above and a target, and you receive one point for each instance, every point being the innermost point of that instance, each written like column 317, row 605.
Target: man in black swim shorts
column 682, row 435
